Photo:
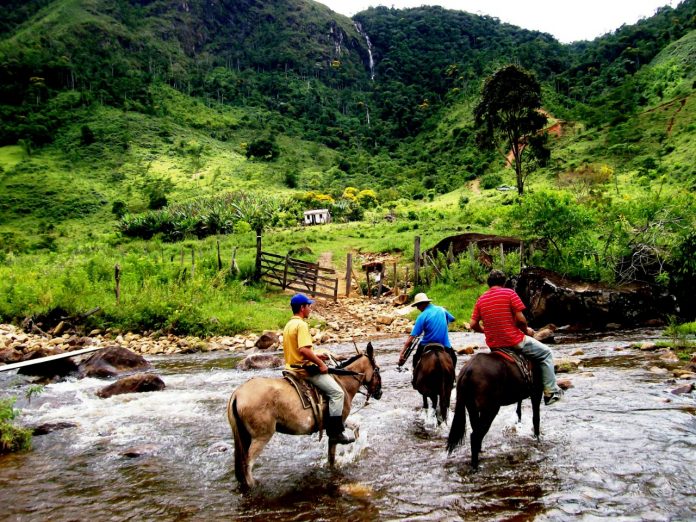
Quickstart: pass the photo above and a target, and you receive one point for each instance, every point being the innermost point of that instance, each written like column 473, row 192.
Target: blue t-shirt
column 433, row 321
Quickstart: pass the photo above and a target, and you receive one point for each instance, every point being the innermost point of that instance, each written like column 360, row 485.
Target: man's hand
column 402, row 361
column 323, row 356
column 530, row 332
column 323, row 368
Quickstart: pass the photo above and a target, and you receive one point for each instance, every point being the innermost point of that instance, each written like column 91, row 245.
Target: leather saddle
column 524, row 364
column 310, row 396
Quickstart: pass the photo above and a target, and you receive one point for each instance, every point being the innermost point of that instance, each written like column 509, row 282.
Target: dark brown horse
column 487, row 382
column 433, row 378
column 262, row 406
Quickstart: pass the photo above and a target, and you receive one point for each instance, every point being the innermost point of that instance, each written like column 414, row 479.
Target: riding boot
column 335, row 431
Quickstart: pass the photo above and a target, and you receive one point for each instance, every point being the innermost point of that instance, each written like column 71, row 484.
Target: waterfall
column 359, row 28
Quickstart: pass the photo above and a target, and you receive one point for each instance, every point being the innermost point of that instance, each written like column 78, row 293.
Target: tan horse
column 261, row 406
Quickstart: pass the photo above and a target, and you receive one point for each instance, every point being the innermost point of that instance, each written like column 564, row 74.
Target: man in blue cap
column 298, row 352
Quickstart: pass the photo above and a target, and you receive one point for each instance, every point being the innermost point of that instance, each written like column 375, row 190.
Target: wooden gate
column 298, row 275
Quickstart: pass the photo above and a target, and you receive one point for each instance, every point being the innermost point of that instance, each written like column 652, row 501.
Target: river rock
column 260, row 361
column 683, row 390
column 564, row 384
column 138, row 383
column 546, row 334
column 669, row 356
column 385, row 319
column 111, row 361
column 553, row 298
column 51, row 370
column 49, row 427
column 267, row 340
column 647, row 346
column 467, row 350
column 566, row 364
column 10, row 355
column 138, row 451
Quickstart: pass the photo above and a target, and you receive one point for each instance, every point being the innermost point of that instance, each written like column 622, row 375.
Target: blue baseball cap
column 300, row 299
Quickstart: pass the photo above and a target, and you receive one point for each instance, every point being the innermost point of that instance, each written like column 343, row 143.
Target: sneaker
column 554, row 397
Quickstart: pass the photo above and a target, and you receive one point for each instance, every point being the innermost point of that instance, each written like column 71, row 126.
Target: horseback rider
column 298, row 351
column 505, row 326
column 432, row 324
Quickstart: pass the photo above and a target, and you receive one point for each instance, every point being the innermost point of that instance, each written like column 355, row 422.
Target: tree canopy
column 509, row 113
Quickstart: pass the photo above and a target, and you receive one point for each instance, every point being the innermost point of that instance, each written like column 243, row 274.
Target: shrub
column 491, row 181
column 12, row 438
column 263, row 148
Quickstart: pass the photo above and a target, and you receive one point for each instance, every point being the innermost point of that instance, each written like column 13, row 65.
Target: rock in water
column 138, row 383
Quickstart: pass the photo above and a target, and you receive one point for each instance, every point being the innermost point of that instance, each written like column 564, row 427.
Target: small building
column 317, row 217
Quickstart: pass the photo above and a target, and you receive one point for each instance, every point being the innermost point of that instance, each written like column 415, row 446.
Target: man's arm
column 476, row 326
column 308, row 354
column 521, row 321
column 408, row 342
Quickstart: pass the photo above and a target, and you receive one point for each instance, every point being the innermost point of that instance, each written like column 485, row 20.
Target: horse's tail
column 242, row 440
column 458, row 429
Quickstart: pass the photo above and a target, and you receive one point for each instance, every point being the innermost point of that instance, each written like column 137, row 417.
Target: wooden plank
column 48, row 358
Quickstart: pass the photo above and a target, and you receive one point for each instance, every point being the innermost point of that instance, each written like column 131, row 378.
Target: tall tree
column 509, row 113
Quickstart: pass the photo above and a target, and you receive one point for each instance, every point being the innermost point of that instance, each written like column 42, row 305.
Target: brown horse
column 487, row 382
column 262, row 406
column 433, row 378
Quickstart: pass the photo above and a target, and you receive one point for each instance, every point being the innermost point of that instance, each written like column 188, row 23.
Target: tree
column 508, row 114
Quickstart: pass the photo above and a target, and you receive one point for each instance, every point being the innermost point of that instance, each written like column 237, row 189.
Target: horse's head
column 373, row 379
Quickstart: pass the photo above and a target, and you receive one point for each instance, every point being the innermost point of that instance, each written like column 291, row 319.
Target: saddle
column 310, row 397
column 524, row 364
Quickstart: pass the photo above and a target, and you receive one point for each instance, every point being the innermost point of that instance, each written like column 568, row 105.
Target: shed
column 317, row 217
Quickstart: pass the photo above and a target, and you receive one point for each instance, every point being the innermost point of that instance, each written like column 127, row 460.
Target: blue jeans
column 333, row 390
column 541, row 355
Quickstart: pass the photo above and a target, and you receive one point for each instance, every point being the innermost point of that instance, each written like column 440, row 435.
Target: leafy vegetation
column 142, row 133
column 12, row 437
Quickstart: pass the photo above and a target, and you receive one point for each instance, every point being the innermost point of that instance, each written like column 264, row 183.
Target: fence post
column 381, row 282
column 369, row 286
column 234, row 268
column 349, row 270
column 335, row 289
column 416, row 260
column 193, row 261
column 502, row 255
column 219, row 257
column 117, row 277
column 406, row 282
column 521, row 254
column 285, row 271
column 396, row 282
column 257, row 272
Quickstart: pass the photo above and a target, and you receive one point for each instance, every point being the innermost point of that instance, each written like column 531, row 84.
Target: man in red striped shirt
column 505, row 326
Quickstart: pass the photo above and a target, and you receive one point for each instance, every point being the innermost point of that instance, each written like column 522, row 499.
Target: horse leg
column 438, row 414
column 536, row 400
column 332, row 454
column 255, row 449
column 480, row 427
column 519, row 411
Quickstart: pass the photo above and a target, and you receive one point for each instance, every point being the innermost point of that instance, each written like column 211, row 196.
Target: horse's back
column 434, row 367
column 487, row 377
column 262, row 401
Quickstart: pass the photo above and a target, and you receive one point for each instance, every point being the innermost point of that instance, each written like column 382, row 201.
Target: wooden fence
column 298, row 275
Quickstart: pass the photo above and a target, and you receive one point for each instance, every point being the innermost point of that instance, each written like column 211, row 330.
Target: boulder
column 546, row 334
column 553, row 298
column 566, row 364
column 10, row 355
column 260, row 361
column 385, row 319
column 138, row 451
column 138, row 383
column 683, row 390
column 49, row 427
column 267, row 340
column 51, row 370
column 112, row 361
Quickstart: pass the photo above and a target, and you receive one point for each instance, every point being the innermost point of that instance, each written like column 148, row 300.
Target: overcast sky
column 567, row 20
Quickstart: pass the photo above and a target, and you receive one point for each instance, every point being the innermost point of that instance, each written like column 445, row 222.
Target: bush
column 491, row 181
column 263, row 148
column 12, row 438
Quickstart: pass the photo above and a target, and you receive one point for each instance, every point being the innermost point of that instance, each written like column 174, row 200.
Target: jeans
column 541, row 355
column 333, row 390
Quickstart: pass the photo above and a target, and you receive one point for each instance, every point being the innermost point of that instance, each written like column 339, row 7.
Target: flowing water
column 618, row 446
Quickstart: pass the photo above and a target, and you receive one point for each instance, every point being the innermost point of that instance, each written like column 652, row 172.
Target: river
column 618, row 446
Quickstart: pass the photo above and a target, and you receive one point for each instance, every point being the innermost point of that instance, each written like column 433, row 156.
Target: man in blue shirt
column 432, row 323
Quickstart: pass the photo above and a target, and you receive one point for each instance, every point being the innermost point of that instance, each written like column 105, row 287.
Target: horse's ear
column 370, row 350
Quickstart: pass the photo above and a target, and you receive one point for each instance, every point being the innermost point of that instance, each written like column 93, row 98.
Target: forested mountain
column 387, row 96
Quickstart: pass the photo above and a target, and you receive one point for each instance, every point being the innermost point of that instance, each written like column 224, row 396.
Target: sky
column 567, row 20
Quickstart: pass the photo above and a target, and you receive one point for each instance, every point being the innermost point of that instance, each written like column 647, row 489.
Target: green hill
column 121, row 107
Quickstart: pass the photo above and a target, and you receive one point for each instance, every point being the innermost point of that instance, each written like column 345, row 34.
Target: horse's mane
column 349, row 361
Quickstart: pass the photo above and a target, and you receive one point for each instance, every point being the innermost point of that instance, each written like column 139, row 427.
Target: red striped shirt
column 497, row 308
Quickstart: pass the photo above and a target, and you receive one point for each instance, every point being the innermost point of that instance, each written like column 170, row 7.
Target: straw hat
column 420, row 298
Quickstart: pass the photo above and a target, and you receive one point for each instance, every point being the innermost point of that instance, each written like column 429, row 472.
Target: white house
column 317, row 217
